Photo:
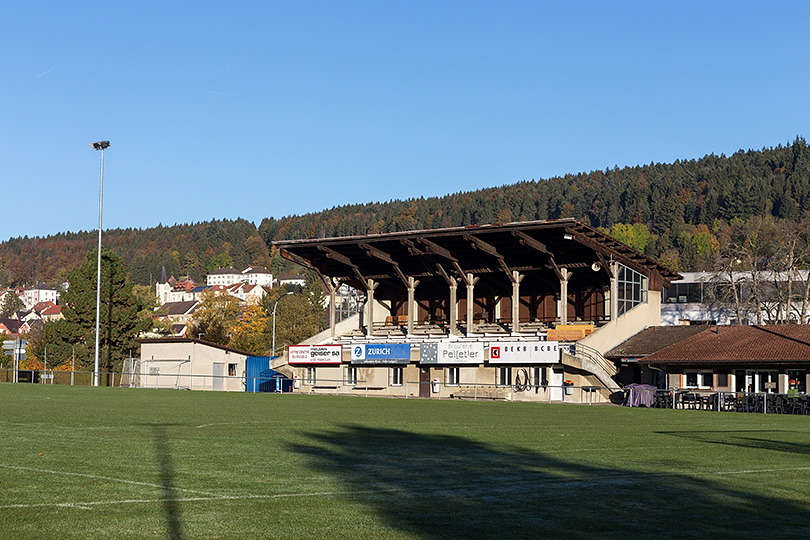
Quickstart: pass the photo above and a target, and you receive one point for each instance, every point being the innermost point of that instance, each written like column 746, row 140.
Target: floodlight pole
column 100, row 145
column 275, row 305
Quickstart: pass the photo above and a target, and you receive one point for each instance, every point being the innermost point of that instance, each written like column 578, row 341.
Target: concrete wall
column 637, row 319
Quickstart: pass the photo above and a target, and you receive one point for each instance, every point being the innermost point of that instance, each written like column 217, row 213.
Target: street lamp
column 99, row 145
column 275, row 305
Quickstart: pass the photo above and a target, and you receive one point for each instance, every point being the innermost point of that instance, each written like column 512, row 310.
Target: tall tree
column 121, row 317
column 10, row 305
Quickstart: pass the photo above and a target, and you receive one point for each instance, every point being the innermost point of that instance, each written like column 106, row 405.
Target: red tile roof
column 653, row 339
column 739, row 344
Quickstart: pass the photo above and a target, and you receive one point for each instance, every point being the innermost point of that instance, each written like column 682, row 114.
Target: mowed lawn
column 79, row 462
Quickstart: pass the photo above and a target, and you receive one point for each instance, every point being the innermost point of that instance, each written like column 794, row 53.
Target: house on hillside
column 179, row 313
column 252, row 275
column 38, row 293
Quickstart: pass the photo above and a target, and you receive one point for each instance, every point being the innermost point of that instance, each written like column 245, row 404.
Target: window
column 451, row 376
column 231, row 370
column 683, row 292
column 797, row 381
column 396, row 376
column 540, row 376
column 632, row 289
column 309, row 376
column 698, row 379
column 722, row 378
column 505, row 376
column 351, row 376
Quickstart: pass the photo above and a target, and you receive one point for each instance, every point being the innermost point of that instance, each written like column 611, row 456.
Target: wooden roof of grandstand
column 538, row 250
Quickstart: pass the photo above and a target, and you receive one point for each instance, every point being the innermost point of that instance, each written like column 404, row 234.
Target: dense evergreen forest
column 679, row 213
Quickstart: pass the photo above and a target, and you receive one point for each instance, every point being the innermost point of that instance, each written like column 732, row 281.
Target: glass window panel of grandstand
column 632, row 289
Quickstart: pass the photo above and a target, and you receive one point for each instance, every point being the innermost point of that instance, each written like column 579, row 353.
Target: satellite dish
column 596, row 267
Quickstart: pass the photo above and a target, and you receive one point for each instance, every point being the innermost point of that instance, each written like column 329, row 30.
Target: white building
column 38, row 293
column 253, row 275
column 691, row 299
column 193, row 364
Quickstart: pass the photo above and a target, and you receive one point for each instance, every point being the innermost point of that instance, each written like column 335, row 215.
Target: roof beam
column 377, row 253
column 526, row 240
column 436, row 249
column 343, row 259
column 489, row 249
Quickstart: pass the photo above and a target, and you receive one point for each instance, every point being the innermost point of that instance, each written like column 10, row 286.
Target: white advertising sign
column 524, row 352
column 451, row 352
column 315, row 354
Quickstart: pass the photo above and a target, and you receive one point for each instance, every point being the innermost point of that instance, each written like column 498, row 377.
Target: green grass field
column 79, row 462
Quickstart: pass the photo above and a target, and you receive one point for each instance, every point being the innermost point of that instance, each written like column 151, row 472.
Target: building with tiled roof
column 650, row 340
column 738, row 358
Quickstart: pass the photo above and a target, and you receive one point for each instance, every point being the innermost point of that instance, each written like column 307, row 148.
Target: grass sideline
column 80, row 462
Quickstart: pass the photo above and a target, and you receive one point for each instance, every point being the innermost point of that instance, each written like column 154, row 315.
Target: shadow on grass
column 171, row 510
column 434, row 486
column 742, row 438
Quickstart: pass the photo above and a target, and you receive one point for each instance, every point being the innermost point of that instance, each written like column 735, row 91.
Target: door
column 219, row 377
column 555, row 381
column 424, row 382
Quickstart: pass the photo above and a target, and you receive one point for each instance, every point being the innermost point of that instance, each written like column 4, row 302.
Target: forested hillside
column 682, row 208
column 678, row 212
column 183, row 249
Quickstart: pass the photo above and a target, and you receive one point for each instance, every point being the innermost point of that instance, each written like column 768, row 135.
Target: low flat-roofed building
column 193, row 364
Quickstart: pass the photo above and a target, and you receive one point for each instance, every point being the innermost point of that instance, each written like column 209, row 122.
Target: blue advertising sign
column 381, row 353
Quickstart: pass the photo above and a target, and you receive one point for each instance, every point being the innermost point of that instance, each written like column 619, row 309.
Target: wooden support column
column 562, row 304
column 471, row 281
column 332, row 299
column 516, row 279
column 452, row 308
column 412, row 283
column 370, row 286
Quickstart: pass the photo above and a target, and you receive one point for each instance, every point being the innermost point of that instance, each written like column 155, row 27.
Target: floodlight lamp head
column 100, row 145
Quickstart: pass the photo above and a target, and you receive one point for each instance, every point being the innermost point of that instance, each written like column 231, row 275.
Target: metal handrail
column 580, row 350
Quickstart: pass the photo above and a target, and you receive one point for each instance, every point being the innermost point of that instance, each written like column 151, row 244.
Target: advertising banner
column 452, row 352
column 524, row 352
column 315, row 354
column 381, row 353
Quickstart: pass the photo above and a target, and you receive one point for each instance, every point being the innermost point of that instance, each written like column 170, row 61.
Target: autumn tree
column 298, row 316
column 215, row 317
column 251, row 332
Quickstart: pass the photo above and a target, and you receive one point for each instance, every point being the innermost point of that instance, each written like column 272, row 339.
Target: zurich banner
column 381, row 353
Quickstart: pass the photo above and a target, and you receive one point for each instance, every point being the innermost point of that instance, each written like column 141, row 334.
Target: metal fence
column 746, row 402
column 705, row 400
column 74, row 378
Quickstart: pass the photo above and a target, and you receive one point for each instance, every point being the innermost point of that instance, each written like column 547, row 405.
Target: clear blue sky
column 259, row 109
